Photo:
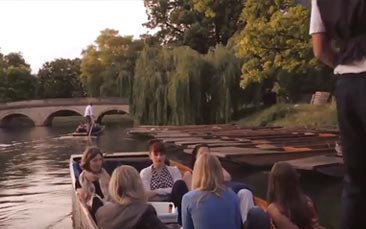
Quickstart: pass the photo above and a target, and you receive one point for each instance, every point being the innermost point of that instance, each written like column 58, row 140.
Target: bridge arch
column 4, row 121
column 61, row 112
column 109, row 111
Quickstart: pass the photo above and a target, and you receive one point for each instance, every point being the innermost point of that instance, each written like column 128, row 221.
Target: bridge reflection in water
column 42, row 112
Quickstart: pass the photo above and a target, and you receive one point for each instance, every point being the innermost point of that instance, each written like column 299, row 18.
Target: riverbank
column 294, row 115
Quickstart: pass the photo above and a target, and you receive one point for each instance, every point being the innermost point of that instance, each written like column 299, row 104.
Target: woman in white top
column 163, row 182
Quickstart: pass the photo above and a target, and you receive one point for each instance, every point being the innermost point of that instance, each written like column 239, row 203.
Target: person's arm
column 280, row 220
column 187, row 177
column 322, row 49
column 145, row 175
column 321, row 44
column 314, row 215
column 227, row 176
column 187, row 222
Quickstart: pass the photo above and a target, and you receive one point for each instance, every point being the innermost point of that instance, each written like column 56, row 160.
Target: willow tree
column 149, row 88
column 167, row 86
column 224, row 90
column 274, row 39
column 186, row 86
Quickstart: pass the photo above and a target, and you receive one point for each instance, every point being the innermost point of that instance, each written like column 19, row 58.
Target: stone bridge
column 42, row 112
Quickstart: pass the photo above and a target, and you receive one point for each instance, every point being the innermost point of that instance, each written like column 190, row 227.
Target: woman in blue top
column 210, row 204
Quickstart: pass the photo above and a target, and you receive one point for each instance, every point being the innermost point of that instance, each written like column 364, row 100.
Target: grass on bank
column 294, row 115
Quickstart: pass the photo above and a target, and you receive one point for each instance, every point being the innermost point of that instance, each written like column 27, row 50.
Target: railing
column 64, row 102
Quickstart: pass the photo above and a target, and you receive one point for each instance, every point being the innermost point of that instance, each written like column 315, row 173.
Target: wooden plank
column 311, row 163
column 267, row 160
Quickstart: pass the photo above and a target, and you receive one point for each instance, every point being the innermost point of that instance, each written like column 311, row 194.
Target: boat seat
column 166, row 212
column 77, row 172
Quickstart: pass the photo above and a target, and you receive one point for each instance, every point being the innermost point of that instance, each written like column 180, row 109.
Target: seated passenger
column 128, row 208
column 162, row 182
column 288, row 206
column 210, row 204
column 197, row 151
column 244, row 194
column 94, row 180
column 81, row 128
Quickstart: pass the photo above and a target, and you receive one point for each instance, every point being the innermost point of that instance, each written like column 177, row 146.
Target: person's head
column 91, row 104
column 126, row 186
column 207, row 174
column 284, row 190
column 197, row 151
column 157, row 153
column 92, row 160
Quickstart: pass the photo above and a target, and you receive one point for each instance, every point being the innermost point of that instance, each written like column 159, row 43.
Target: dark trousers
column 351, row 109
column 257, row 219
column 179, row 189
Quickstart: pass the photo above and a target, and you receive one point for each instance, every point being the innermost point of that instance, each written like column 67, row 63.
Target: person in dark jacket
column 128, row 209
column 343, row 22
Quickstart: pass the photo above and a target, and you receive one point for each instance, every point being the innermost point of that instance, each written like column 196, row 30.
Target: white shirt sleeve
column 145, row 175
column 316, row 23
column 175, row 173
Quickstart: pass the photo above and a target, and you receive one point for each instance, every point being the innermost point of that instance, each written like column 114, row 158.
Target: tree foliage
column 180, row 86
column 274, row 39
column 16, row 80
column 107, row 66
column 199, row 24
column 60, row 79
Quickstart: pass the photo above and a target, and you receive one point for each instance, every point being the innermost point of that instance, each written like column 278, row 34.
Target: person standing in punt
column 94, row 179
column 128, row 208
column 343, row 22
column 163, row 182
column 89, row 117
column 210, row 204
column 289, row 207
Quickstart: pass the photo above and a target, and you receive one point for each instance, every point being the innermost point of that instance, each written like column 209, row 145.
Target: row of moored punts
column 307, row 150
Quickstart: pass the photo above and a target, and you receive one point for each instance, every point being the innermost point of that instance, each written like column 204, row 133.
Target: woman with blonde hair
column 288, row 206
column 128, row 209
column 210, row 204
column 94, row 179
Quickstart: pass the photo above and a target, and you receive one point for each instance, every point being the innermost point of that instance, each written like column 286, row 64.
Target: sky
column 45, row 30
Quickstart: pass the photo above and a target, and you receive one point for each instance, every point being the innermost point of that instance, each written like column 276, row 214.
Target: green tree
column 16, row 80
column 275, row 39
column 60, row 79
column 108, row 66
column 199, row 24
column 180, row 86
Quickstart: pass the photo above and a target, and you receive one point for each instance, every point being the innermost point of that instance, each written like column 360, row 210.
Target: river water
column 35, row 187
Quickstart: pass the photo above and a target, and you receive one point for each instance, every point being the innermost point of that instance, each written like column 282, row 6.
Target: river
column 35, row 187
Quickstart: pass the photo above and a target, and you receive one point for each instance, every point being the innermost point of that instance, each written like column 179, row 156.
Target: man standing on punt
column 344, row 22
column 88, row 115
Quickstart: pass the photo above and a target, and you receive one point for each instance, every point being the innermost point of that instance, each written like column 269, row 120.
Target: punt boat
column 166, row 211
column 95, row 132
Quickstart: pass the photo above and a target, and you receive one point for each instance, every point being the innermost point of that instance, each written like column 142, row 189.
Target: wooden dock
column 259, row 146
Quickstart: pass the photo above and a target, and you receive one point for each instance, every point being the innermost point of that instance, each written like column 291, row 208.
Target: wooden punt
column 93, row 133
column 80, row 214
column 330, row 165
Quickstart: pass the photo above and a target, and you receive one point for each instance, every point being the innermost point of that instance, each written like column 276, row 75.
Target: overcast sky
column 48, row 29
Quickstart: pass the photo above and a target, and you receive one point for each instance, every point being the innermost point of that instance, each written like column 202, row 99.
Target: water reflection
column 35, row 189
